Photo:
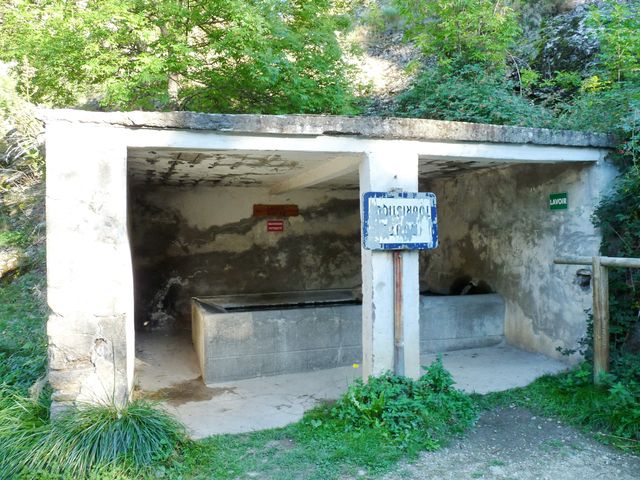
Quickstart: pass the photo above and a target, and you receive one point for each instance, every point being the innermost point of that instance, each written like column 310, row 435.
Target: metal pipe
column 398, row 326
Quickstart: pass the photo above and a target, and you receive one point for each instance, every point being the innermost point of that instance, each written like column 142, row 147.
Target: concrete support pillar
column 384, row 171
column 89, row 275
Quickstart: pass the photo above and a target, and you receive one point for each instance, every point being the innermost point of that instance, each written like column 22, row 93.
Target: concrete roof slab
column 329, row 125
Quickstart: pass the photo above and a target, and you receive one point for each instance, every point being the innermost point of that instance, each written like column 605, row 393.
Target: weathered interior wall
column 201, row 241
column 496, row 228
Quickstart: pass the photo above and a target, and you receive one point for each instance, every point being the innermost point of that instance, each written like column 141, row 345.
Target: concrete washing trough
column 246, row 336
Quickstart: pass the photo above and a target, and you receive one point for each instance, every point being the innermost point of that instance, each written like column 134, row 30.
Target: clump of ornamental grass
column 23, row 422
column 83, row 440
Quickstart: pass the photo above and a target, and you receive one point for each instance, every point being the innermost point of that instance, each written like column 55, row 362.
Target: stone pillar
column 89, row 275
column 383, row 171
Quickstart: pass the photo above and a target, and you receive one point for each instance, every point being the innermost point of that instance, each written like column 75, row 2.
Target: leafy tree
column 66, row 50
column 270, row 56
column 464, row 31
column 618, row 25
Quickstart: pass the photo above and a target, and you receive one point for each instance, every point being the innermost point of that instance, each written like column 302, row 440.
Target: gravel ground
column 512, row 443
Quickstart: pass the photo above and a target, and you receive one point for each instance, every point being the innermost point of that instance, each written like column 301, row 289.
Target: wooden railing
column 600, row 311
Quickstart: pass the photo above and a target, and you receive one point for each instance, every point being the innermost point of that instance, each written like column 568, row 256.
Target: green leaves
column 461, row 31
column 618, row 215
column 472, row 94
column 618, row 24
column 410, row 413
column 267, row 56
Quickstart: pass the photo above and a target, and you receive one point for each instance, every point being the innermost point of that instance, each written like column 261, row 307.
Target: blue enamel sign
column 399, row 221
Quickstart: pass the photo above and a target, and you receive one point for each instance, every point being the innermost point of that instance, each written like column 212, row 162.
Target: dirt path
column 512, row 443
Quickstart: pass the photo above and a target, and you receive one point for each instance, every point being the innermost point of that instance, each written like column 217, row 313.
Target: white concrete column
column 89, row 275
column 383, row 171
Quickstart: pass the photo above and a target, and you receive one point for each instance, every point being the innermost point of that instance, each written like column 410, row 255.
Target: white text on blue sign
column 399, row 221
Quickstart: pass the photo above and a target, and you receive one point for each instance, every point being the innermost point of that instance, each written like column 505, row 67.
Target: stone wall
column 203, row 241
column 496, row 231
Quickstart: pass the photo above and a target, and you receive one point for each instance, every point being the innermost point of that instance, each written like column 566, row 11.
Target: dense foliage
column 470, row 93
column 469, row 46
column 618, row 216
column 619, row 219
column 461, row 31
column 268, row 56
column 422, row 412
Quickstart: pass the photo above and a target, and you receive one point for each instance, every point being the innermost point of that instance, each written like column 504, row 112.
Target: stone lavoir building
column 251, row 214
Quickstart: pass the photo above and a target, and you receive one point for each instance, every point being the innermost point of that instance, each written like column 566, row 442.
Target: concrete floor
column 167, row 370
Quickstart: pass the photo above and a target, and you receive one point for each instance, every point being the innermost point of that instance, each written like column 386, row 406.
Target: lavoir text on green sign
column 558, row 201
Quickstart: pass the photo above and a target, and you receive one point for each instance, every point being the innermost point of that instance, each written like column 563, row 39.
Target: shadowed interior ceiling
column 260, row 168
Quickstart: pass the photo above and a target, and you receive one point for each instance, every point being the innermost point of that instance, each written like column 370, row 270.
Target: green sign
column 558, row 201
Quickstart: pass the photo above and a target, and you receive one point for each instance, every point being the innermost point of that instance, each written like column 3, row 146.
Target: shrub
column 83, row 440
column 469, row 94
column 425, row 411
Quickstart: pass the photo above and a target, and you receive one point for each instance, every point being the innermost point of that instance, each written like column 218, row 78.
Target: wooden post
column 600, row 319
column 600, row 311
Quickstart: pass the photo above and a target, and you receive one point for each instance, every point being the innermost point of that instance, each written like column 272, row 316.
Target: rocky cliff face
column 567, row 42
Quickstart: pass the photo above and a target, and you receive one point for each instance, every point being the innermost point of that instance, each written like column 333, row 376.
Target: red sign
column 275, row 225
column 275, row 210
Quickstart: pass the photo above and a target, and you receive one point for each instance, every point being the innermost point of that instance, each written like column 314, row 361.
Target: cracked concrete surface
column 167, row 371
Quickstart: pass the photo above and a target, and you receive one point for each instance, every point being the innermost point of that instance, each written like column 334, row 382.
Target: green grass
column 610, row 412
column 23, row 353
column 299, row 451
column 12, row 238
column 84, row 442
